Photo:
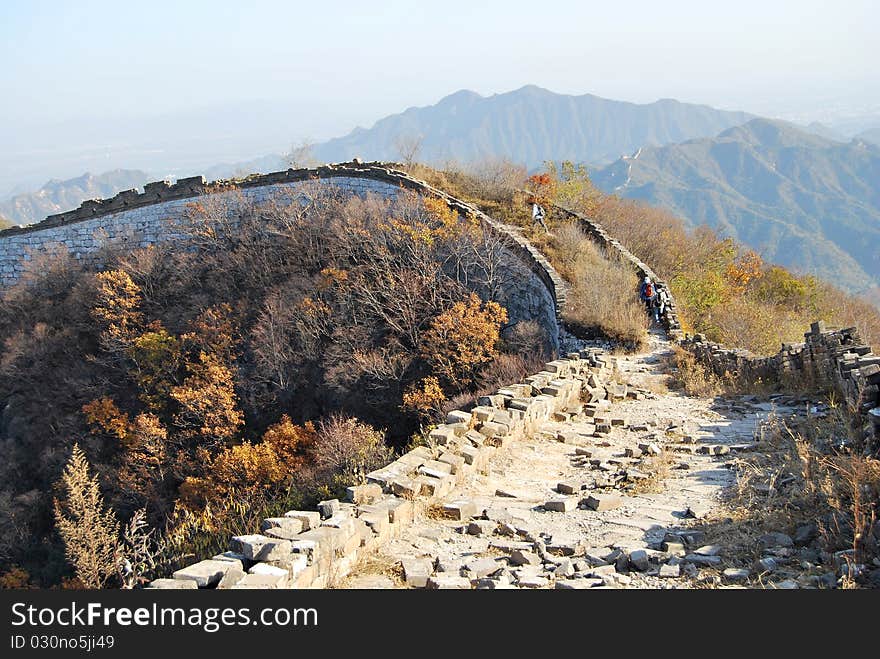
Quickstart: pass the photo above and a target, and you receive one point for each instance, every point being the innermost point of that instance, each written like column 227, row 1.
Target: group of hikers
column 655, row 296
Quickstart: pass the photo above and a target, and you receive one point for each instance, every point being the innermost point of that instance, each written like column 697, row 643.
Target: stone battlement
column 158, row 214
column 836, row 359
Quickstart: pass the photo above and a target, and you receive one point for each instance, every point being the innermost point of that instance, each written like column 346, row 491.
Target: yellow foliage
column 462, row 339
column 116, row 306
column 157, row 355
column 207, row 400
column 425, row 397
column 104, row 415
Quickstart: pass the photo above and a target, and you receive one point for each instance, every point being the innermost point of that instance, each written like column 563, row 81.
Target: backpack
column 649, row 290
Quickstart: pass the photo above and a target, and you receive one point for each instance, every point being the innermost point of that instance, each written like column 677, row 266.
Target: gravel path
column 661, row 467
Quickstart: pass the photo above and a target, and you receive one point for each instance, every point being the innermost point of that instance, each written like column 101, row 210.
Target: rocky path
column 612, row 497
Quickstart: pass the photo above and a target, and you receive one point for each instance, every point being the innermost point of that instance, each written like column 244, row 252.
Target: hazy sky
column 82, row 74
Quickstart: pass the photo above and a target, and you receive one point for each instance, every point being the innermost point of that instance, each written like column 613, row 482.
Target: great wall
column 467, row 509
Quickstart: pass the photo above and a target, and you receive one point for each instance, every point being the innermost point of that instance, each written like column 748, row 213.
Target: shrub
column 463, row 339
column 89, row 530
column 345, row 450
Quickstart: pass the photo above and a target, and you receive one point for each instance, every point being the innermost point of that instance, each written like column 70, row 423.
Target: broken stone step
column 564, row 505
column 602, row 502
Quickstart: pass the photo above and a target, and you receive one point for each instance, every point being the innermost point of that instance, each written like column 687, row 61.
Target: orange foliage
column 462, row 339
column 250, row 470
column 15, row 579
column 214, row 332
column 103, row 414
column 207, row 400
column 746, row 269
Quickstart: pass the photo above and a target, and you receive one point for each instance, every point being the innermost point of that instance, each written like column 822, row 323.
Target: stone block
column 409, row 488
column 261, row 582
column 173, row 584
column 232, row 577
column 481, row 527
column 458, row 416
column 699, row 559
column 447, row 582
column 367, row 493
column 524, row 557
column 291, row 525
column 435, row 469
column 602, row 502
column 568, row 488
column 416, row 571
column 460, row 510
column 736, row 575
column 482, row 567
column 456, row 462
column 442, row 435
column 484, row 413
column 328, row 508
column 260, row 547
column 205, row 573
column 638, row 559
column 378, row 523
column 564, row 505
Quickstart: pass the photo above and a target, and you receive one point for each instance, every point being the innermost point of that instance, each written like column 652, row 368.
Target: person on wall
column 648, row 294
column 538, row 214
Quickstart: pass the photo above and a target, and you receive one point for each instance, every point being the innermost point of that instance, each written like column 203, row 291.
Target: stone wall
column 158, row 214
column 836, row 359
column 831, row 359
column 317, row 549
column 597, row 232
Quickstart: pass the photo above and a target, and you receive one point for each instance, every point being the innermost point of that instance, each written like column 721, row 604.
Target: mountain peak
column 461, row 96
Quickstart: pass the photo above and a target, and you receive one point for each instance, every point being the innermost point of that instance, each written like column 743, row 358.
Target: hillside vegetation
column 723, row 289
column 254, row 368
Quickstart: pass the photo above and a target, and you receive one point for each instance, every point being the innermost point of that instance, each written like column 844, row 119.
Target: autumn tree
column 116, row 309
column 462, row 339
column 208, row 405
column 89, row 530
column 251, row 470
column 424, row 398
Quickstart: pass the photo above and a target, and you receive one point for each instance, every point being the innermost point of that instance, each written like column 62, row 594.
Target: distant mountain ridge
column 530, row 125
column 57, row 196
column 801, row 200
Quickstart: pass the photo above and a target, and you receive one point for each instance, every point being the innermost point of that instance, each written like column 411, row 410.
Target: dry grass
column 658, row 468
column 603, row 297
column 796, row 478
column 373, row 563
column 688, row 374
